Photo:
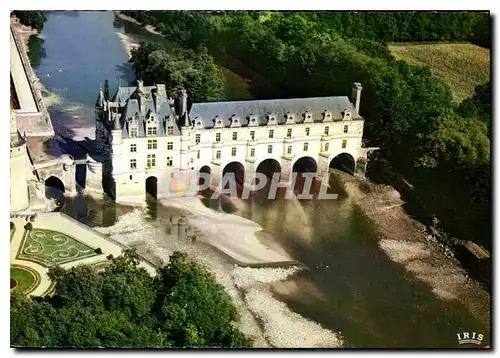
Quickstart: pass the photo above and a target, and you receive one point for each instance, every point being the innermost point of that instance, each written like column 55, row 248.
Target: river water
column 351, row 286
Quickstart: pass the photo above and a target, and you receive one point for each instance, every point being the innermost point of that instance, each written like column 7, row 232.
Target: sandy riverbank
column 406, row 241
column 149, row 28
column 269, row 321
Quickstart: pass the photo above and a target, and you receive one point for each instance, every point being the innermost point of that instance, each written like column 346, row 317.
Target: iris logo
column 470, row 338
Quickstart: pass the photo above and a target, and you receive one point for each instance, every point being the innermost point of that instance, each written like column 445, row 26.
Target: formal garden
column 49, row 248
column 23, row 279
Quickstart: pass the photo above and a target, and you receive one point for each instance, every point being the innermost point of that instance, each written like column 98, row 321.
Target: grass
column 462, row 66
column 25, row 278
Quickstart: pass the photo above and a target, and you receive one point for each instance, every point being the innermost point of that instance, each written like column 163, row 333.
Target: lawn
column 25, row 278
column 49, row 248
column 461, row 66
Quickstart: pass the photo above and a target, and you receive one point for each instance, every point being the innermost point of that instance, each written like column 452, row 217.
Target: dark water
column 358, row 291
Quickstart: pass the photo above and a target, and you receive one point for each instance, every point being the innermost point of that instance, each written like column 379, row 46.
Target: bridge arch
column 205, row 170
column 237, row 169
column 54, row 188
column 152, row 186
column 344, row 162
column 268, row 167
column 305, row 165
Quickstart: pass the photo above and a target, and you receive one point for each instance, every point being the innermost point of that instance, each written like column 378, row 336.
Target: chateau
column 145, row 136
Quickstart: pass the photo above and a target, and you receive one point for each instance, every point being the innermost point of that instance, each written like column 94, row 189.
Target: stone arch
column 344, row 162
column 269, row 167
column 152, row 186
column 54, row 188
column 305, row 164
column 238, row 169
column 206, row 170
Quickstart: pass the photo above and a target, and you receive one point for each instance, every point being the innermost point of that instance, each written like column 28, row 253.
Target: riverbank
column 149, row 28
column 408, row 242
column 268, row 320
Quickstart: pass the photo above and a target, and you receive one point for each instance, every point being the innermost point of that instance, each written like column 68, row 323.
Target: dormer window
column 271, row 120
column 308, row 118
column 346, row 114
column 198, row 123
column 327, row 116
column 235, row 121
column 253, row 120
column 218, row 122
column 290, row 118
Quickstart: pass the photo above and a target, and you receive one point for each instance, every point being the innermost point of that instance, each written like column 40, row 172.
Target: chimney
column 356, row 95
column 182, row 108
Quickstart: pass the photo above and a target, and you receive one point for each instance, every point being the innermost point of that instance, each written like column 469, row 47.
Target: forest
column 441, row 146
column 124, row 307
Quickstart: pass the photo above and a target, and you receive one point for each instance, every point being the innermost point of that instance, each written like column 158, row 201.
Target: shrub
column 28, row 226
column 110, row 257
column 98, row 251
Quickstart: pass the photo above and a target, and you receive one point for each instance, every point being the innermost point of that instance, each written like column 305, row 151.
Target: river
column 351, row 286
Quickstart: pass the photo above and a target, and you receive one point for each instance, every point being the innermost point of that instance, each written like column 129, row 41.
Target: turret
column 106, row 90
column 356, row 95
column 99, row 103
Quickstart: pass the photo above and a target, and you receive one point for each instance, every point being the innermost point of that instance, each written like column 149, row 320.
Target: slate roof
column 279, row 107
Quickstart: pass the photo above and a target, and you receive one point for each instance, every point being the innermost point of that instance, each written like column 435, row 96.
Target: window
column 327, row 146
column 198, row 155
column 169, row 161
column 289, row 149
column 307, row 131
column 192, row 160
column 252, row 135
column 170, row 130
column 269, row 149
column 170, row 145
column 344, row 143
column 233, row 152
column 133, row 148
column 198, row 138
column 306, row 146
column 252, row 152
column 271, row 133
column 151, row 131
column 151, row 162
column 217, row 137
column 133, row 163
column 327, row 130
column 346, row 129
column 130, row 177
column 217, row 155
column 152, row 144
column 235, row 135
column 289, row 133
column 133, row 132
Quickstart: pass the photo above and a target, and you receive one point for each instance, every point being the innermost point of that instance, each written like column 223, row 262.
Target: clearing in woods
column 461, row 66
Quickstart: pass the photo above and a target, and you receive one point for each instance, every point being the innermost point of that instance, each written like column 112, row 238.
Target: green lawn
column 25, row 278
column 49, row 248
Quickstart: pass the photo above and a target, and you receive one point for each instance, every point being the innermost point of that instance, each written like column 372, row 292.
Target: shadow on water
column 371, row 300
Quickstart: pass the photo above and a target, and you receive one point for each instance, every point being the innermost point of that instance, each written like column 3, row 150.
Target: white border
column 199, row 4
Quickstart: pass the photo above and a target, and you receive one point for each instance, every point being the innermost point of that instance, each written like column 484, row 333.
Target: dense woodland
column 35, row 19
column 441, row 146
column 124, row 307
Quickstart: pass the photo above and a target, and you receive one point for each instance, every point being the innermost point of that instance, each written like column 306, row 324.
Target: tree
column 195, row 72
column 124, row 307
